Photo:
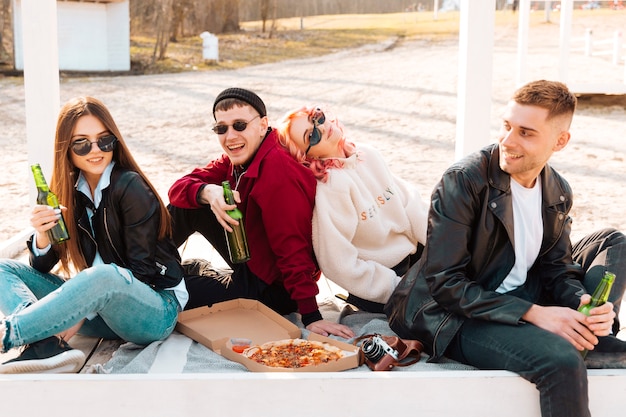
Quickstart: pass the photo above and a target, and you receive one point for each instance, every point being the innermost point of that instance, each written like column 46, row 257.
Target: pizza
column 293, row 353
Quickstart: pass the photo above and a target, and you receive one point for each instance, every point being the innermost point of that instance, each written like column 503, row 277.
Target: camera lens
column 372, row 350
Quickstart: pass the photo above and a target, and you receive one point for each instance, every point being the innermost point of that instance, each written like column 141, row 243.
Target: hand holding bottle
column 43, row 219
column 599, row 311
column 600, row 318
column 213, row 195
column 236, row 239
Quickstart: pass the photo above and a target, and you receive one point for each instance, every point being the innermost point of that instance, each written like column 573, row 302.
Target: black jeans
column 539, row 356
column 205, row 291
column 400, row 269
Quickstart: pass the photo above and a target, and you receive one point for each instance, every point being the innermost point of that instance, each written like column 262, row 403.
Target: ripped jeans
column 114, row 302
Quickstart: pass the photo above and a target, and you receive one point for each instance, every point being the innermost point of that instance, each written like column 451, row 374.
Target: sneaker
column 204, row 268
column 51, row 355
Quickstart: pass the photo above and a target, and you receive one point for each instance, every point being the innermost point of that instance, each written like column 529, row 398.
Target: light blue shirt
column 82, row 186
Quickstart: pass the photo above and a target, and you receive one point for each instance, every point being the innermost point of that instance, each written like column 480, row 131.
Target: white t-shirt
column 528, row 233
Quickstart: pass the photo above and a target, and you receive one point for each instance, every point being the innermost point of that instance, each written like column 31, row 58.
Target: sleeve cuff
column 311, row 317
column 36, row 250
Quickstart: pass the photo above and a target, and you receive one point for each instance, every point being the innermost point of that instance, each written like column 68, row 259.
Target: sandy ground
column 400, row 97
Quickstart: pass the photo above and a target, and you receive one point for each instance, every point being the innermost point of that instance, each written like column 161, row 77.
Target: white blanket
column 180, row 354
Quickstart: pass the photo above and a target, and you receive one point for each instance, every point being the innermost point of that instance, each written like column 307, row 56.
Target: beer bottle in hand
column 600, row 296
column 58, row 233
column 237, row 241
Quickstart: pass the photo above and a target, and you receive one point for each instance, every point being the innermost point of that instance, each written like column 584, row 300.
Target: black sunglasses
column 239, row 126
column 318, row 118
column 82, row 147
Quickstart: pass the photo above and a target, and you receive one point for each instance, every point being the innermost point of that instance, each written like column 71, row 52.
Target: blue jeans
column 38, row 305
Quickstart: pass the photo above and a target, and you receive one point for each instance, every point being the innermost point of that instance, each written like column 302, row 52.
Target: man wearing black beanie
column 276, row 195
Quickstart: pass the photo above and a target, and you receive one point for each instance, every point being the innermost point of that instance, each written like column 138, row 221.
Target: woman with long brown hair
column 126, row 279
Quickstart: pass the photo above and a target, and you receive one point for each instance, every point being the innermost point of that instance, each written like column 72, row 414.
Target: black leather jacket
column 470, row 251
column 126, row 226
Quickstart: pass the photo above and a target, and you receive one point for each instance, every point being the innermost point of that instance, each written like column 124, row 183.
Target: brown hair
column 65, row 174
column 553, row 96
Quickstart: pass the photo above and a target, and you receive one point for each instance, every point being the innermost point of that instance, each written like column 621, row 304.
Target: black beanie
column 243, row 95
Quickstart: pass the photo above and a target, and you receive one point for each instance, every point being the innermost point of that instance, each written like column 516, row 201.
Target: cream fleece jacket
column 366, row 220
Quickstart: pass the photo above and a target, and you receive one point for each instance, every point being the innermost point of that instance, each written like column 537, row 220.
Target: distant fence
column 598, row 47
column 613, row 46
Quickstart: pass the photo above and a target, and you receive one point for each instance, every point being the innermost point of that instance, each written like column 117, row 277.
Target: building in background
column 93, row 35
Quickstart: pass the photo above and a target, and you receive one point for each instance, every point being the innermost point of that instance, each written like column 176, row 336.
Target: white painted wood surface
column 343, row 394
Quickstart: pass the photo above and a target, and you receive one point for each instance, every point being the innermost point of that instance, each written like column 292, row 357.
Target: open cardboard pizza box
column 215, row 326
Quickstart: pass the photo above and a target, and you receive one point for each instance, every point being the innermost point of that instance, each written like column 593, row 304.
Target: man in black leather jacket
column 499, row 282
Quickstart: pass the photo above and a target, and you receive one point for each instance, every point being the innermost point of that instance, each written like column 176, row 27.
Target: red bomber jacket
column 277, row 198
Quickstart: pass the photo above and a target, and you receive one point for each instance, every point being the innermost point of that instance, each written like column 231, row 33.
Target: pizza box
column 215, row 326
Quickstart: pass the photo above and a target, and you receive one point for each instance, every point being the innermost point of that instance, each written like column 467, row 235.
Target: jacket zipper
column 106, row 229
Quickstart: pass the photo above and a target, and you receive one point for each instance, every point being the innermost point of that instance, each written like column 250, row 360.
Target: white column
column 41, row 80
column 567, row 11
column 41, row 94
column 476, row 38
column 523, row 24
column 588, row 42
column 617, row 47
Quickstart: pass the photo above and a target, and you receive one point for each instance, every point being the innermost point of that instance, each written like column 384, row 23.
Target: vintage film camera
column 379, row 356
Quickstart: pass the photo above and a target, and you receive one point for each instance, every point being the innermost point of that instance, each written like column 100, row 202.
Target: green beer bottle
column 58, row 234
column 237, row 241
column 600, row 296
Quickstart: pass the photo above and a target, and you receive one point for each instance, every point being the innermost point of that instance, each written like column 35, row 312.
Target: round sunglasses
column 82, row 147
column 317, row 118
column 239, row 126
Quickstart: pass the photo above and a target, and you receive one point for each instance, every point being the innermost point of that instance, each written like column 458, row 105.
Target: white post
column 617, row 47
column 436, row 10
column 588, row 42
column 523, row 24
column 475, row 76
column 41, row 80
column 567, row 11
column 547, row 11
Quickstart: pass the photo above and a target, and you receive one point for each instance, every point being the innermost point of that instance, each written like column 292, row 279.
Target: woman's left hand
column 326, row 328
column 69, row 333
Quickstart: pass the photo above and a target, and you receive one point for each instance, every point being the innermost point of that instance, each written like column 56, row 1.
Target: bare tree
column 265, row 9
column 180, row 9
column 230, row 14
column 5, row 29
column 163, row 29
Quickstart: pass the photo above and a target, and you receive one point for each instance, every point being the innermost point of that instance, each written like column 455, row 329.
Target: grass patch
column 320, row 35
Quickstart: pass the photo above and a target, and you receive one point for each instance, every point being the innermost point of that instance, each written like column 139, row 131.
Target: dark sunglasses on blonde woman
column 317, row 118
column 82, row 147
column 239, row 126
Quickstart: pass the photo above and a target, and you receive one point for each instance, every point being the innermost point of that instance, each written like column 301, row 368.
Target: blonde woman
column 368, row 224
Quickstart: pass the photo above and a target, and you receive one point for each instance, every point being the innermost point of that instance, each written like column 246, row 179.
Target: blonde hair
column 65, row 174
column 319, row 167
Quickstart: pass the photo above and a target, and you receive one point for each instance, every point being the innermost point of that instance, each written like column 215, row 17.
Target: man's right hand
column 213, row 195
